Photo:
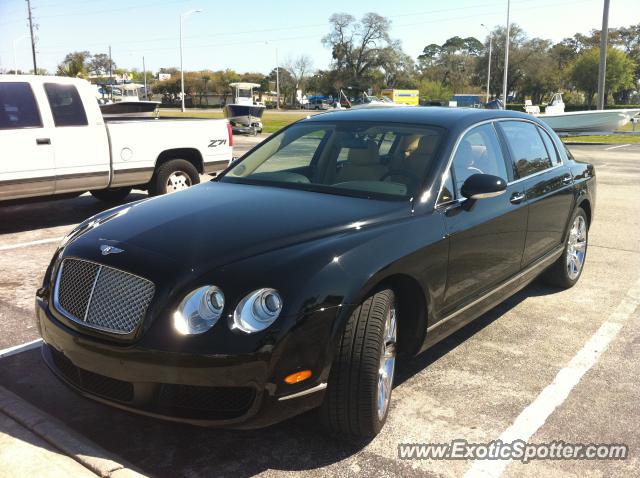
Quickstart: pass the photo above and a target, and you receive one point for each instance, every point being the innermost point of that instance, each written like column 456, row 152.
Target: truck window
column 66, row 105
column 18, row 107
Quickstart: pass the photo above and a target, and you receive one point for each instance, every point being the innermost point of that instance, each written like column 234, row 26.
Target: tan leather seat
column 363, row 164
column 416, row 153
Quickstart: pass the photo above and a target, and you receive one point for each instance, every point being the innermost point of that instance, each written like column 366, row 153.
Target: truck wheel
column 358, row 394
column 566, row 271
column 111, row 195
column 172, row 176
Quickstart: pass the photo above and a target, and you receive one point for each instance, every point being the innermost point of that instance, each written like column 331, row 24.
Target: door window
column 66, row 105
column 18, row 107
column 526, row 146
column 479, row 152
column 551, row 149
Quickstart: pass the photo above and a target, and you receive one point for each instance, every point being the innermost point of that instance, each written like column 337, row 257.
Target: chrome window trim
column 77, row 320
column 459, row 140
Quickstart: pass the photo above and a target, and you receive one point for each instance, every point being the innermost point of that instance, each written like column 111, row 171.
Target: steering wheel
column 414, row 179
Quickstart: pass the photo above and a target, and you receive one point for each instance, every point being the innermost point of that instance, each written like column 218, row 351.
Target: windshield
column 361, row 159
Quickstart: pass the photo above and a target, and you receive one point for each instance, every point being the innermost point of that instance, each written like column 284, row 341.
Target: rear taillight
column 230, row 133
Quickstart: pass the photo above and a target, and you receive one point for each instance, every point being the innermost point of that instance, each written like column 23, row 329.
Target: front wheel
column 358, row 395
column 172, row 176
column 567, row 269
column 111, row 195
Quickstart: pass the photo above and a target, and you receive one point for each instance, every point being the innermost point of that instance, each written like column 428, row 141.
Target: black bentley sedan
column 295, row 278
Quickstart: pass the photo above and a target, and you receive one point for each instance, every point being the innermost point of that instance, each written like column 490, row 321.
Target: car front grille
column 102, row 297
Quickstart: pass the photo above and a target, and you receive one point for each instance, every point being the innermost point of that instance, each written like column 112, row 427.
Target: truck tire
column 356, row 402
column 111, row 195
column 172, row 176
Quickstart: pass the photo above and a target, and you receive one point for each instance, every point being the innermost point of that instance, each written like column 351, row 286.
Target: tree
column 99, row 64
column 619, row 75
column 356, row 46
column 299, row 68
column 74, row 64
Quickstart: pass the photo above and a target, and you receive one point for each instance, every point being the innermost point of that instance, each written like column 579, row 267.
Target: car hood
column 216, row 223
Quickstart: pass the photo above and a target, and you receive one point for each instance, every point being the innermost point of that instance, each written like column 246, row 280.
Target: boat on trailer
column 580, row 121
column 244, row 114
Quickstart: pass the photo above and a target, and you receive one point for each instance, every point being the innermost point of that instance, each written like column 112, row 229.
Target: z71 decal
column 217, row 142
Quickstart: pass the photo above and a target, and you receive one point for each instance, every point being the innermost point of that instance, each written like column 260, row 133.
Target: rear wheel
column 568, row 268
column 358, row 394
column 111, row 195
column 172, row 176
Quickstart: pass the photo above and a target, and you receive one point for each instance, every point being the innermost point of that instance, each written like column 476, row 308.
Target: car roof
column 449, row 118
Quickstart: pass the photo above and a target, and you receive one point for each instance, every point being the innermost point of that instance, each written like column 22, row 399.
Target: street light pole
column 506, row 57
column 144, row 74
column 182, row 17
column 602, row 69
column 489, row 64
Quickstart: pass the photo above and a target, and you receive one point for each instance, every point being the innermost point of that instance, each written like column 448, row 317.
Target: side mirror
column 482, row 186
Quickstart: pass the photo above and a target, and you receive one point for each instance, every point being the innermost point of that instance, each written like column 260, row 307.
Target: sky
column 249, row 35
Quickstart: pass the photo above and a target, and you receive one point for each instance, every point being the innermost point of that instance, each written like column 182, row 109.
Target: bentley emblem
column 106, row 249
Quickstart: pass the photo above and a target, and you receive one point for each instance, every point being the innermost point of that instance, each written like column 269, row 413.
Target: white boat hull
column 588, row 121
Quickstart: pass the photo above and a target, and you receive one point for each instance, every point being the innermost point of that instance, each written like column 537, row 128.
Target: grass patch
column 272, row 121
column 609, row 139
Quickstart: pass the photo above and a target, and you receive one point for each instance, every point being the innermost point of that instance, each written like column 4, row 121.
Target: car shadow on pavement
column 34, row 215
column 168, row 449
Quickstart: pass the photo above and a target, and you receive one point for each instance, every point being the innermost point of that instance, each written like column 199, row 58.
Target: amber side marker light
column 297, row 377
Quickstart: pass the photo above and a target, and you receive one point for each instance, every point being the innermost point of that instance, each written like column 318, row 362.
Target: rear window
column 66, row 105
column 18, row 108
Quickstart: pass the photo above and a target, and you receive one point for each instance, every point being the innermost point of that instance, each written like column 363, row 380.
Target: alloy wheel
column 576, row 247
column 387, row 362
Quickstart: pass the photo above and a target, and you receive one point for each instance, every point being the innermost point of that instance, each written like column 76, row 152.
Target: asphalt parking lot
column 545, row 365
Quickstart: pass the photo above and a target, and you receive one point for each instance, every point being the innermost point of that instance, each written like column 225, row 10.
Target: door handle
column 43, row 140
column 517, row 197
column 567, row 179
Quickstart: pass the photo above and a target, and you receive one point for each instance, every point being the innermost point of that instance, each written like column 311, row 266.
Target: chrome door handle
column 517, row 198
column 567, row 179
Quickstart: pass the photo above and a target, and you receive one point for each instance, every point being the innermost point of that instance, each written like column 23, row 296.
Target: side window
column 18, row 107
column 479, row 152
column 526, row 146
column 446, row 195
column 66, row 105
column 551, row 149
column 386, row 143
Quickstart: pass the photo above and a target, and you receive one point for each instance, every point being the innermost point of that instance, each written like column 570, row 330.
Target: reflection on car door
column 27, row 164
column 486, row 235
column 547, row 182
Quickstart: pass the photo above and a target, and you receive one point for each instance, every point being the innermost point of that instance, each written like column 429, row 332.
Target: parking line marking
column 30, row 243
column 535, row 415
column 616, row 147
column 20, row 348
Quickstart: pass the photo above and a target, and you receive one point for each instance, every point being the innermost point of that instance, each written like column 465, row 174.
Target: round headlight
column 257, row 311
column 199, row 310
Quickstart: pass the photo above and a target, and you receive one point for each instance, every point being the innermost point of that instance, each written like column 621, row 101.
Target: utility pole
column 506, row 57
column 489, row 64
column 144, row 74
column 277, row 81
column 602, row 69
column 33, row 40
column 110, row 78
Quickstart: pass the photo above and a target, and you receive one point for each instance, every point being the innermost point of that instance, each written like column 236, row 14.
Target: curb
column 71, row 443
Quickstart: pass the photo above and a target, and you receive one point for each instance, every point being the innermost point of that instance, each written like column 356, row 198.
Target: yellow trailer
column 402, row 97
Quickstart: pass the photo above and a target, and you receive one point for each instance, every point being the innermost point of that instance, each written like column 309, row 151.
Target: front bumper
column 242, row 391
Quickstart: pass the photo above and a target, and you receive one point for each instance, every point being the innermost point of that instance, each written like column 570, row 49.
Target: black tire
column 350, row 403
column 112, row 195
column 158, row 183
column 558, row 274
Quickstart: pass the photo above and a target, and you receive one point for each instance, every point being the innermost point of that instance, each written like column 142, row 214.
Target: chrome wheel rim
column 576, row 247
column 178, row 181
column 387, row 362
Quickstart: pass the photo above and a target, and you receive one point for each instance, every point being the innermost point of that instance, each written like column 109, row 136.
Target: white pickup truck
column 54, row 141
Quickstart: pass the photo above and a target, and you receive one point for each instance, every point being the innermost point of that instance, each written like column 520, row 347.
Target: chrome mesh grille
column 102, row 297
